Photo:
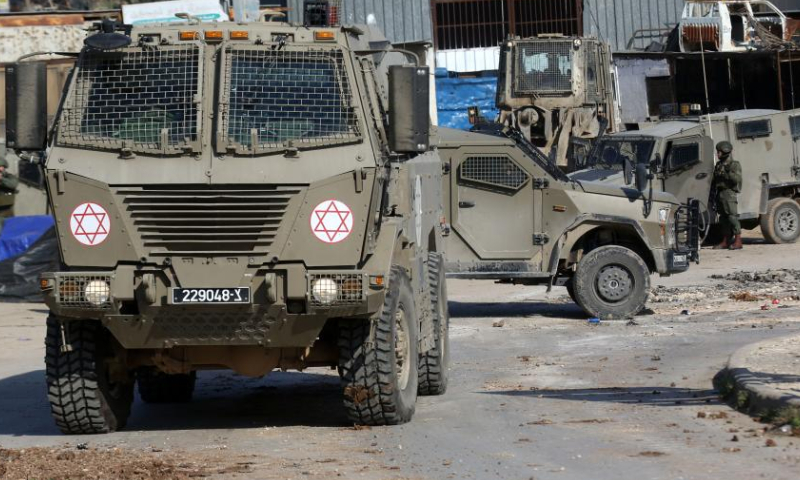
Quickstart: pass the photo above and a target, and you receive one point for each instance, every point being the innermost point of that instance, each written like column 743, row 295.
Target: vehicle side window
column 753, row 129
column 794, row 125
column 682, row 156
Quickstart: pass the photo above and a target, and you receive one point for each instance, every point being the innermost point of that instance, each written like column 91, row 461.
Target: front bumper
column 139, row 311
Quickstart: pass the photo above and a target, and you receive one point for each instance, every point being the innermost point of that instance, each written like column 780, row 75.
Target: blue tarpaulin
column 19, row 233
column 455, row 94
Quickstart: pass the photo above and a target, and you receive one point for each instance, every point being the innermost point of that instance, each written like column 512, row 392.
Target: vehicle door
column 493, row 203
column 688, row 169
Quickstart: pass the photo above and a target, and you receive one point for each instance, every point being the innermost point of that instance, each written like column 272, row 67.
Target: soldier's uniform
column 8, row 192
column 727, row 185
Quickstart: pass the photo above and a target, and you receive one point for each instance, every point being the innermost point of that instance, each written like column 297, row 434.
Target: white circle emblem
column 90, row 224
column 331, row 221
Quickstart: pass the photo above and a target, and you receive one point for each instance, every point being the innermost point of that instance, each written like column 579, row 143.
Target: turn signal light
column 324, row 36
column 188, row 35
column 239, row 35
column 213, row 34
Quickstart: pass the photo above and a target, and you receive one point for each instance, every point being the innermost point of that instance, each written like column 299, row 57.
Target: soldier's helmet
column 725, row 147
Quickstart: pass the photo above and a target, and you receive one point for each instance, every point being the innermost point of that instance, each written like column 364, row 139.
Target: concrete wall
column 631, row 75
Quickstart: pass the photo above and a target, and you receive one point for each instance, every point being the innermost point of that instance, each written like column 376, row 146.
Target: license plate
column 680, row 259
column 210, row 295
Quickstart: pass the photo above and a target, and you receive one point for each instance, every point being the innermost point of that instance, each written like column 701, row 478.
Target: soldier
column 8, row 192
column 727, row 184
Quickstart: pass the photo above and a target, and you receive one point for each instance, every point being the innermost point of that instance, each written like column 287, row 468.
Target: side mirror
column 642, row 176
column 655, row 164
column 409, row 109
column 26, row 106
column 627, row 170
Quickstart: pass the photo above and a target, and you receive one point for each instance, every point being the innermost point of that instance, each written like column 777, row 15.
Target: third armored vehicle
column 682, row 156
column 241, row 196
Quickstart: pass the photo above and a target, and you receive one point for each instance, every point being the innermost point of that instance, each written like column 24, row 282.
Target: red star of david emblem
column 88, row 222
column 332, row 220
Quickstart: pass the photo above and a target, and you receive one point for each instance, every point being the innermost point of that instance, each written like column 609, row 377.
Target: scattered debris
column 650, row 453
column 594, row 321
column 735, row 438
column 771, row 443
column 543, row 421
column 701, row 415
column 783, row 275
column 744, row 297
column 499, row 324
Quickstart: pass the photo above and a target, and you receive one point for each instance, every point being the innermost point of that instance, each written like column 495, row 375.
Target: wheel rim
column 402, row 349
column 614, row 283
column 787, row 222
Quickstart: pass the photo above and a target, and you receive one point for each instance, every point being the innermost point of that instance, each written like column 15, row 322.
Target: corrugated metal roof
column 401, row 21
column 616, row 21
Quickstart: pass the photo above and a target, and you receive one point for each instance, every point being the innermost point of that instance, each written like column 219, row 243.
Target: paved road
column 544, row 396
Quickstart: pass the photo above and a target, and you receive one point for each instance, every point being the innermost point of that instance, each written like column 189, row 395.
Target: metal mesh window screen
column 140, row 99
column 544, row 67
column 272, row 97
column 495, row 171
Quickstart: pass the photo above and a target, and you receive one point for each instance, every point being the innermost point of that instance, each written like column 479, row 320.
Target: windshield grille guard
column 543, row 77
column 145, row 100
column 272, row 100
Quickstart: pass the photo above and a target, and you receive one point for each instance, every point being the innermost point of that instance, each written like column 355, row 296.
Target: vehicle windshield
column 611, row 153
column 145, row 100
column 149, row 100
column 272, row 97
column 544, row 67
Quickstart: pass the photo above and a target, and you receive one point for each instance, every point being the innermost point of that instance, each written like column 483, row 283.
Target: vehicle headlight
column 325, row 290
column 663, row 216
column 97, row 292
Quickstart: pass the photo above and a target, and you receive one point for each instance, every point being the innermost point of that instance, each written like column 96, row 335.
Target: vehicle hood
column 613, row 187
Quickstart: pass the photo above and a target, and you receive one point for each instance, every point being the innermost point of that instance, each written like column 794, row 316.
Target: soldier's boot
column 723, row 245
column 737, row 243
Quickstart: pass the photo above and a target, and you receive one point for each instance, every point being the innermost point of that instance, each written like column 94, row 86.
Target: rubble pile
column 783, row 275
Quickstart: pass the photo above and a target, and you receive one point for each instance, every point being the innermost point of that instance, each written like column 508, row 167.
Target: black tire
column 159, row 387
column 377, row 390
column 612, row 283
column 571, row 289
column 433, row 364
column 781, row 223
column 83, row 398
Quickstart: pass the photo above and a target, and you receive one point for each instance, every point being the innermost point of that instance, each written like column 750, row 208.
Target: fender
column 595, row 220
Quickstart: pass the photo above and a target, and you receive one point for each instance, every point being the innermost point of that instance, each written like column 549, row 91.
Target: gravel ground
column 535, row 392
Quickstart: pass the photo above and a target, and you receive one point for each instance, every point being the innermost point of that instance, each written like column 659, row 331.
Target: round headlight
column 96, row 292
column 324, row 290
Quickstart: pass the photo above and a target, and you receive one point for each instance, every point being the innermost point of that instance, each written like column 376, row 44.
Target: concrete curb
column 751, row 391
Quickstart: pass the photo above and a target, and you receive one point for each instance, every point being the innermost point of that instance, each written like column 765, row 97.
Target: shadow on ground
column 656, row 396
column 515, row 309
column 222, row 401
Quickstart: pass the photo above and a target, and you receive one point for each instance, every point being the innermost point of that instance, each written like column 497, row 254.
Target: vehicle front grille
column 198, row 219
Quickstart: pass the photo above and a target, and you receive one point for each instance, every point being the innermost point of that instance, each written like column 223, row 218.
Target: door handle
column 466, row 204
column 701, row 175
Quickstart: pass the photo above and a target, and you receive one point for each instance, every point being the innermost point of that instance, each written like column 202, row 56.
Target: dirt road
column 535, row 392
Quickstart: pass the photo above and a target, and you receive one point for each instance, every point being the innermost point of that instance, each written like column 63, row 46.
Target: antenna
column 705, row 86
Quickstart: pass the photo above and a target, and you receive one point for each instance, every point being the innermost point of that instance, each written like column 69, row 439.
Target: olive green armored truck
column 514, row 216
column 248, row 197
column 559, row 92
column 766, row 143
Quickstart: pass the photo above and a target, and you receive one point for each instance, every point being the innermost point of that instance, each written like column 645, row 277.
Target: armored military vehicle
column 515, row 217
column 682, row 156
column 558, row 91
column 238, row 196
